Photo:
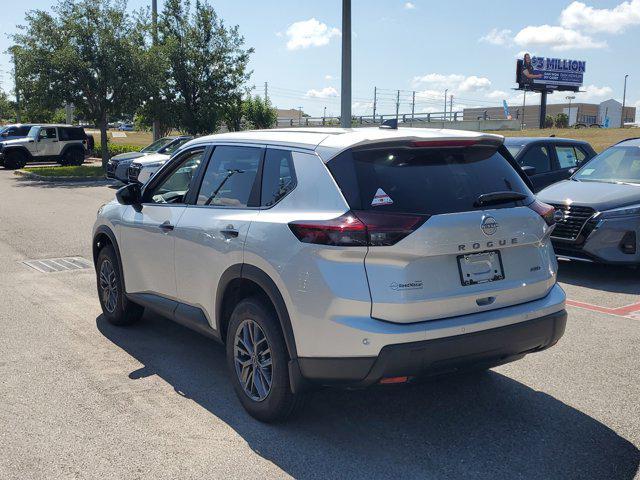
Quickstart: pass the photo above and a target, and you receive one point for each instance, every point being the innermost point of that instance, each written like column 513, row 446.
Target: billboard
column 546, row 73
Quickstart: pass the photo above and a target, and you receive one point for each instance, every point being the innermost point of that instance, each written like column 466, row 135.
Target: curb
column 35, row 176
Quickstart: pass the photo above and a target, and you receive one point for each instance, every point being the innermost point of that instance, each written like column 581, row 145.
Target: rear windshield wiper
column 498, row 197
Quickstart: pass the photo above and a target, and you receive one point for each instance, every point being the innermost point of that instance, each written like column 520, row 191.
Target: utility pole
column 570, row 97
column 451, row 107
column 15, row 81
column 413, row 106
column 444, row 117
column 299, row 116
column 397, row 104
column 154, row 33
column 266, row 92
column 624, row 99
column 345, row 91
column 375, row 102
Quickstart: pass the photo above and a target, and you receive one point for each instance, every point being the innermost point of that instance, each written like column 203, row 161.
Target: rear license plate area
column 480, row 267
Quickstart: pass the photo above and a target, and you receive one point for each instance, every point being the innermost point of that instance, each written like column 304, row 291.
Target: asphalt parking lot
column 80, row 398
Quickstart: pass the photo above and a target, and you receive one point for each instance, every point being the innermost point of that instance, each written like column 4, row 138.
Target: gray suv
column 337, row 257
column 599, row 208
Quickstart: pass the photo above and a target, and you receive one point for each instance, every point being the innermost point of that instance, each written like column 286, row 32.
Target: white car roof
column 328, row 142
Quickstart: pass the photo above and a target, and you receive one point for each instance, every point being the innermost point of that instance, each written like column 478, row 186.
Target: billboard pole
column 543, row 107
column 524, row 103
column 624, row 99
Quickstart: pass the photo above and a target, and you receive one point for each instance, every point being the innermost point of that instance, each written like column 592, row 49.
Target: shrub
column 118, row 148
column 562, row 120
column 548, row 121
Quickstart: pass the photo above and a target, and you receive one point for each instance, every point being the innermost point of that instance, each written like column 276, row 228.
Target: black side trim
column 9, row 149
column 266, row 283
column 186, row 315
column 484, row 349
column 104, row 230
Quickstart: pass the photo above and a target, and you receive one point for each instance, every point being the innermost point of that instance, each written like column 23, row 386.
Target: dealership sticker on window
column 588, row 171
column 381, row 198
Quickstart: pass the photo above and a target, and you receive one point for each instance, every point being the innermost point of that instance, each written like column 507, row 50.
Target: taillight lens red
column 358, row 228
column 545, row 210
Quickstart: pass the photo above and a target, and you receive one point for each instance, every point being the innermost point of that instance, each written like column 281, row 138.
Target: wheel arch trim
column 106, row 231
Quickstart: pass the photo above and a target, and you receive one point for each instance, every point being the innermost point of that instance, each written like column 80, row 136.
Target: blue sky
column 466, row 46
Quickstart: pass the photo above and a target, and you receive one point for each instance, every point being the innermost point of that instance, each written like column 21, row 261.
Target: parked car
column 599, row 208
column 11, row 132
column 126, row 127
column 337, row 257
column 64, row 144
column 159, row 151
column 548, row 160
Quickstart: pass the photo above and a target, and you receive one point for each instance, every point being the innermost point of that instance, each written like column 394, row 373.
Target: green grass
column 80, row 171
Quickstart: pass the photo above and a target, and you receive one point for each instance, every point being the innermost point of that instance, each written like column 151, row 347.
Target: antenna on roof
column 391, row 124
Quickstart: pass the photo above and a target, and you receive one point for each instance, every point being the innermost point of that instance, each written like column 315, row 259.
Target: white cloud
column 497, row 95
column 474, row 84
column 610, row 20
column 328, row 77
column 409, row 6
column 556, row 38
column 497, row 37
column 453, row 82
column 325, row 92
column 309, row 33
column 592, row 92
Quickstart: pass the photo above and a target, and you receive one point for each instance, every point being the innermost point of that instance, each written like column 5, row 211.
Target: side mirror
column 529, row 171
column 130, row 194
column 573, row 170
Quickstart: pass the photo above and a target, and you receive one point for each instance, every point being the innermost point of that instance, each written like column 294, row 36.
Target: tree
column 562, row 120
column 88, row 53
column 7, row 108
column 259, row 113
column 548, row 121
column 207, row 64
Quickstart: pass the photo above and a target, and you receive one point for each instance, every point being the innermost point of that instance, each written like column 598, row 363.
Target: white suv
column 65, row 144
column 337, row 257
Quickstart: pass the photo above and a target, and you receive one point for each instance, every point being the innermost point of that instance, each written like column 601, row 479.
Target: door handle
column 229, row 231
column 165, row 226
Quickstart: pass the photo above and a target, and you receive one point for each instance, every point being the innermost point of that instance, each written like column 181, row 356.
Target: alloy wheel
column 252, row 359
column 108, row 286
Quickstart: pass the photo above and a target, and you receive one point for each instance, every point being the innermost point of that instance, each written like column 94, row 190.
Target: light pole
column 324, row 115
column 569, row 97
column 345, row 90
column 624, row 99
column 155, row 126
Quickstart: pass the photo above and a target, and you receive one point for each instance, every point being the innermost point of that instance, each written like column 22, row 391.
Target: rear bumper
column 483, row 349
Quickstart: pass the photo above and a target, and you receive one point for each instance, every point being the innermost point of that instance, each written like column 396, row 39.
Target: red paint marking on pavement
column 625, row 311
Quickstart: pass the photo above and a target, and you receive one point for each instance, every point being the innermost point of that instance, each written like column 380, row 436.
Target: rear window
column 71, row 133
column 423, row 181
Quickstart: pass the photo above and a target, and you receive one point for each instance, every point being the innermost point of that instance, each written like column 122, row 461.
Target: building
column 606, row 114
column 291, row 117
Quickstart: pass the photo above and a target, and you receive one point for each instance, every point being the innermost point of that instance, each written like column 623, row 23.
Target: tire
column 15, row 159
column 116, row 307
column 270, row 403
column 73, row 156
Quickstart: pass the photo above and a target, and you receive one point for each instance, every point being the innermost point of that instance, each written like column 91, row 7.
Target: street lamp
column 624, row 98
column 570, row 97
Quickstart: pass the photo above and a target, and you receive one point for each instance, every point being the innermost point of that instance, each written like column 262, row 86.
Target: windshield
column 177, row 143
column 614, row 165
column 514, row 150
column 157, row 145
column 33, row 132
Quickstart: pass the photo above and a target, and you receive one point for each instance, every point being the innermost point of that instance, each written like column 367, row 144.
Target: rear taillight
column 356, row 229
column 546, row 211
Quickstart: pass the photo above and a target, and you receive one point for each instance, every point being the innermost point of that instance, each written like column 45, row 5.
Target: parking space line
column 628, row 311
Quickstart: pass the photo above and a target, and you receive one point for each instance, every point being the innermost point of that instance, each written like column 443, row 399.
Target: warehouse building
column 606, row 114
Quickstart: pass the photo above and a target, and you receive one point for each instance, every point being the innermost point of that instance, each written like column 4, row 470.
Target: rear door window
column 567, row 157
column 423, row 181
column 229, row 180
column 537, row 156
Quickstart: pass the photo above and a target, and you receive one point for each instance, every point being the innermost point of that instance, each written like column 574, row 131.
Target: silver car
column 599, row 208
column 337, row 257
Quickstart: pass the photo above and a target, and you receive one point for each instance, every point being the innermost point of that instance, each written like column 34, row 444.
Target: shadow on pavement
column 484, row 425
column 608, row 278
